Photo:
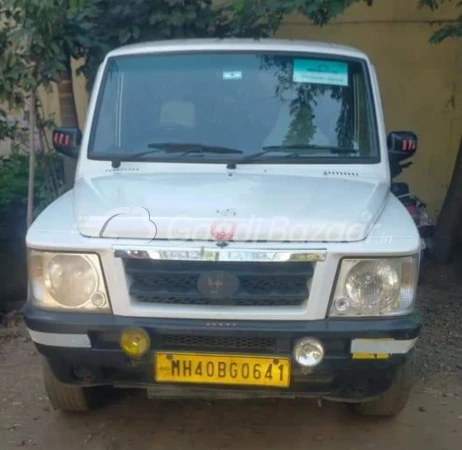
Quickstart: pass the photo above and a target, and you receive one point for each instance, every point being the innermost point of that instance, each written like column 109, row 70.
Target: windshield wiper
column 188, row 148
column 180, row 149
column 274, row 148
column 329, row 148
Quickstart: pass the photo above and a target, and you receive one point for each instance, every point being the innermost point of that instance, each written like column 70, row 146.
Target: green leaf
column 177, row 19
column 124, row 36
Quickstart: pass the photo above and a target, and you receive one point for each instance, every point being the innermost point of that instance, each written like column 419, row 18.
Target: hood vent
column 339, row 173
column 121, row 169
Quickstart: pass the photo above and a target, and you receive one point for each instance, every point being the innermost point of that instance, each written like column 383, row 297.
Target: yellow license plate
column 222, row 369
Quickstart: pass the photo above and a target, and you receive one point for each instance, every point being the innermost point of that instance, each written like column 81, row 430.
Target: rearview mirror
column 67, row 141
column 402, row 143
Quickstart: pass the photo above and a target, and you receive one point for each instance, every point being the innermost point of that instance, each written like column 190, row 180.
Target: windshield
column 213, row 107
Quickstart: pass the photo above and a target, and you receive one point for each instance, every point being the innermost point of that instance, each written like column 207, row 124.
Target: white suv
column 231, row 232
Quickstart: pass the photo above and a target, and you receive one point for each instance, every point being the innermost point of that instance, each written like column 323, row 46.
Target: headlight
column 375, row 287
column 67, row 281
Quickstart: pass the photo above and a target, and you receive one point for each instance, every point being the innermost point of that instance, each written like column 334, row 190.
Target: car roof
column 260, row 45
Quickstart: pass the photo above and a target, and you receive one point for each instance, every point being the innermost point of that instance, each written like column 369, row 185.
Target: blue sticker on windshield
column 320, row 71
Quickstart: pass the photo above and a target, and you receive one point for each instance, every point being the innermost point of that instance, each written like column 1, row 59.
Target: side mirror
column 67, row 141
column 402, row 144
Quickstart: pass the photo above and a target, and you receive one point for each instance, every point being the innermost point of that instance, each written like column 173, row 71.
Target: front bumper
column 84, row 349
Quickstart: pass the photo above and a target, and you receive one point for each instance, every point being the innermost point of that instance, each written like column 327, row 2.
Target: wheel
column 393, row 401
column 67, row 398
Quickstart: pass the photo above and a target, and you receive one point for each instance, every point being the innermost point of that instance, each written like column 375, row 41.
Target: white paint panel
column 382, row 346
column 60, row 339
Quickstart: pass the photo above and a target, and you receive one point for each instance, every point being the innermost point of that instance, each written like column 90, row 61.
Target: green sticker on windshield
column 320, row 71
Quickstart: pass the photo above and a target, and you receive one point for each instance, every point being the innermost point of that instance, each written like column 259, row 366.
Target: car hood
column 220, row 206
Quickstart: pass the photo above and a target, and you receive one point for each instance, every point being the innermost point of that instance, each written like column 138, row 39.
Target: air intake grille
column 196, row 282
column 175, row 342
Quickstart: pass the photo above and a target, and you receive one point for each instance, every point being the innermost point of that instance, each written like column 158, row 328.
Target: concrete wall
column 421, row 83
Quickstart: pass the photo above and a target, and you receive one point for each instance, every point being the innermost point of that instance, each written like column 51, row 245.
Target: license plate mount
column 240, row 370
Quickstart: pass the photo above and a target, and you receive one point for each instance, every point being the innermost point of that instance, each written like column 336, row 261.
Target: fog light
column 135, row 342
column 308, row 352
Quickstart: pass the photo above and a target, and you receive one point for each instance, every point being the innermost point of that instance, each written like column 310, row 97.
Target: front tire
column 392, row 401
column 67, row 398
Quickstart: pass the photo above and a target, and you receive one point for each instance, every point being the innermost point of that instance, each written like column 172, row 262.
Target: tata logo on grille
column 223, row 230
column 218, row 285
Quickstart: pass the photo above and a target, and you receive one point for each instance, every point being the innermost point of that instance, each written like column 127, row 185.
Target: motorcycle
column 402, row 146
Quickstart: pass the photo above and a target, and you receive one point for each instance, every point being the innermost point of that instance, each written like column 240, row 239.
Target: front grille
column 217, row 343
column 255, row 283
column 244, row 301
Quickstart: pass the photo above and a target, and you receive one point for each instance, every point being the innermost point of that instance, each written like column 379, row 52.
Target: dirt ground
column 432, row 420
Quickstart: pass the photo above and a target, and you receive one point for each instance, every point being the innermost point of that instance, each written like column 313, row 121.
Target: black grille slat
column 181, row 300
column 174, row 280
column 257, row 284
column 133, row 266
column 260, row 284
column 230, row 343
column 134, row 270
column 138, row 290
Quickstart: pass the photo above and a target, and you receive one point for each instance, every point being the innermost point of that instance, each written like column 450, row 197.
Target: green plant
column 37, row 40
column 14, row 170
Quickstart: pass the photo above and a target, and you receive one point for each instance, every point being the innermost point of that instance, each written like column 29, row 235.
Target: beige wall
column 421, row 83
column 50, row 103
